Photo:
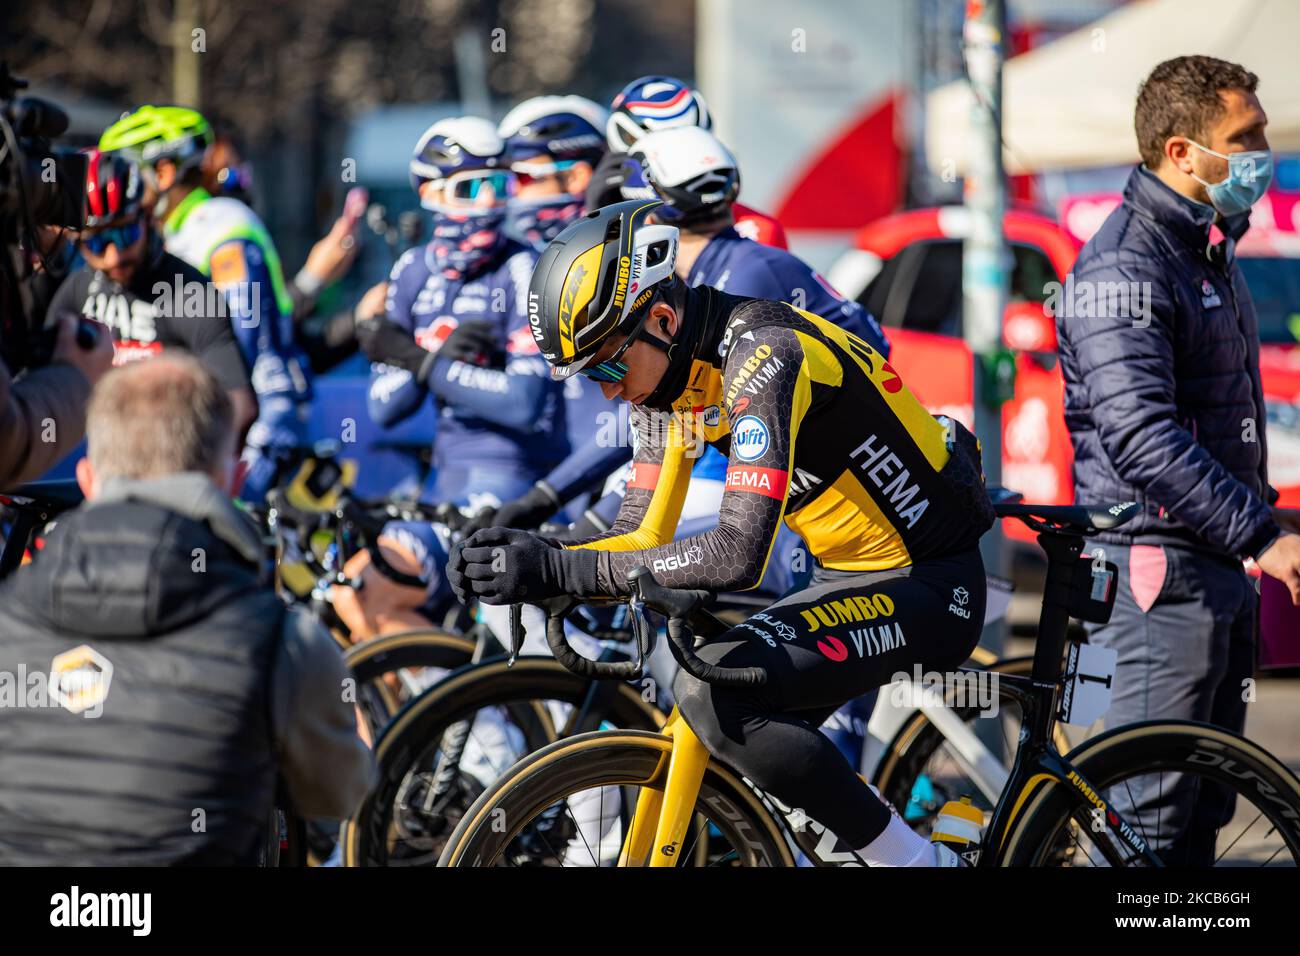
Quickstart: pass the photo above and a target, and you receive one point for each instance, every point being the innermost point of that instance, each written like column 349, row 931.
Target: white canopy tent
column 1069, row 104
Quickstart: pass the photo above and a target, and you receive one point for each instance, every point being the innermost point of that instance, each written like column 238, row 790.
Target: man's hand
column 387, row 342
column 501, row 566
column 93, row 363
column 1281, row 560
column 527, row 511
column 331, row 257
column 473, row 341
column 373, row 303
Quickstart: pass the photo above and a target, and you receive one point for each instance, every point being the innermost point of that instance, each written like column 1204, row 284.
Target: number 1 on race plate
column 1089, row 680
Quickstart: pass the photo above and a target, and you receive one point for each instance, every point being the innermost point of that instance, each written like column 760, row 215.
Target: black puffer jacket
column 172, row 757
column 1160, row 349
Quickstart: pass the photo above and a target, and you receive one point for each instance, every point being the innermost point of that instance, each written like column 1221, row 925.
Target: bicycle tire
column 372, row 660
column 464, row 692
column 423, row 648
column 605, row 759
column 1137, row 749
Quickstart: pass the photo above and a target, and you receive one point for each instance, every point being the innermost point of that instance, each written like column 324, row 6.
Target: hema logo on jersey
column 750, row 438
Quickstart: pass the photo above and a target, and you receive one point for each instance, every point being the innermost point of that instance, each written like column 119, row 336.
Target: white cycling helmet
column 689, row 168
column 453, row 145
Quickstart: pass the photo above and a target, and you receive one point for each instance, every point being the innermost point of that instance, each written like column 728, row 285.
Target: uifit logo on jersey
column 887, row 473
column 750, row 438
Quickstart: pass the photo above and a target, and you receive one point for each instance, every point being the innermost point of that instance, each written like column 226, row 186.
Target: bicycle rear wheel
column 524, row 819
column 1252, row 799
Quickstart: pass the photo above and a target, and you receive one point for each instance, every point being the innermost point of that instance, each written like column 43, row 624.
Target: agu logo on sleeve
column 750, row 438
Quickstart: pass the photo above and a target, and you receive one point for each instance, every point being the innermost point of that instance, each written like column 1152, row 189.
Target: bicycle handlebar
column 677, row 606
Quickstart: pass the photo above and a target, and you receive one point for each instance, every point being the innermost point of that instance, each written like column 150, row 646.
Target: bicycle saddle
column 1076, row 519
column 60, row 494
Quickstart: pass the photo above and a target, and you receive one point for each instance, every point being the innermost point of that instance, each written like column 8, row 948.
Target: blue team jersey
column 512, row 418
column 734, row 264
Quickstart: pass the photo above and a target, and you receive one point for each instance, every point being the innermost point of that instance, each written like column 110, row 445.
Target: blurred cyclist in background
column 224, row 239
column 554, row 143
column 655, row 103
column 124, row 262
column 455, row 327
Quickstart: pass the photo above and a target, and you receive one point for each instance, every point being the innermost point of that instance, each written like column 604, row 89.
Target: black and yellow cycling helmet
column 598, row 278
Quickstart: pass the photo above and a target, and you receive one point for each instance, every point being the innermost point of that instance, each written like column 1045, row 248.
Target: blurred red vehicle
column 906, row 269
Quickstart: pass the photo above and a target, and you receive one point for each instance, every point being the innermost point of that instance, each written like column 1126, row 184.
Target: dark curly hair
column 1181, row 98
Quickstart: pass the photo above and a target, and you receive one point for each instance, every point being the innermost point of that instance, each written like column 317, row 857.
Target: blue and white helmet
column 651, row 103
column 563, row 127
column 456, row 145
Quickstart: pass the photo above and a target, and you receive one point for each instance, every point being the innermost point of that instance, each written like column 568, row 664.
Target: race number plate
column 1089, row 680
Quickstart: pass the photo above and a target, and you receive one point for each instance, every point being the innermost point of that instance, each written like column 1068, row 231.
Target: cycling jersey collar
column 176, row 218
column 697, row 318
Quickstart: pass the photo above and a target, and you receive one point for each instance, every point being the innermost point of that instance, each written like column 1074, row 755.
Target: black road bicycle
column 1086, row 806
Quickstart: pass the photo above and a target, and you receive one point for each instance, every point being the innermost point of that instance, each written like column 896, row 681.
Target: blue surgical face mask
column 1249, row 174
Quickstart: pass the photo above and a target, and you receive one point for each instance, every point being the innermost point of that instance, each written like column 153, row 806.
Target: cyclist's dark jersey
column 820, row 431
column 167, row 304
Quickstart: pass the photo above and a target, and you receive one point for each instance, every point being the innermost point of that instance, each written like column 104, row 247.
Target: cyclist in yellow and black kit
column 821, row 432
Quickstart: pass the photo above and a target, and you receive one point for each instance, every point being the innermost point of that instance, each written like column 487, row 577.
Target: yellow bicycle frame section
column 663, row 817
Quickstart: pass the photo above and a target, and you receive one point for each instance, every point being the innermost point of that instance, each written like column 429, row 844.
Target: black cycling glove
column 474, row 341
column 383, row 340
column 527, row 511
column 502, row 566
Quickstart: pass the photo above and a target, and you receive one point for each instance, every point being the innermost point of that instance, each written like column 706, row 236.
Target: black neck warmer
column 699, row 329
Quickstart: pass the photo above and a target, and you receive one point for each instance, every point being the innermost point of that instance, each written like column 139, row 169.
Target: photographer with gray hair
column 146, row 607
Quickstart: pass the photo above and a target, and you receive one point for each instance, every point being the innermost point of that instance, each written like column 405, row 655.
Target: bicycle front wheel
column 1194, row 794
column 528, row 818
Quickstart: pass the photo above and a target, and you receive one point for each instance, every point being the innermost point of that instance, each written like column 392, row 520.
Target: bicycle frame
column 663, row 817
column 1038, row 763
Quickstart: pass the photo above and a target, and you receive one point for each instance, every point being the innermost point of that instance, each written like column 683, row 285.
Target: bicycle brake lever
column 516, row 632
column 642, row 632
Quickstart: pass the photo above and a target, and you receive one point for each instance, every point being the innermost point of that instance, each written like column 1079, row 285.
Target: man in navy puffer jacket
column 1160, row 351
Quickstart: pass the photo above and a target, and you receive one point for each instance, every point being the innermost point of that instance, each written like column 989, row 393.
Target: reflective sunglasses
column 528, row 172
column 120, row 236
column 466, row 189
column 612, row 370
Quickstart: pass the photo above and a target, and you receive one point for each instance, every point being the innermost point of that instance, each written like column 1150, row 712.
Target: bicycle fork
column 662, row 817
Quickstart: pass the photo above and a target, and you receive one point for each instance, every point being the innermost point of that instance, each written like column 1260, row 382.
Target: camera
column 39, row 186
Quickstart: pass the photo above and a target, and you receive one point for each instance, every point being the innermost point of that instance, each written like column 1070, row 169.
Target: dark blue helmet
column 562, row 127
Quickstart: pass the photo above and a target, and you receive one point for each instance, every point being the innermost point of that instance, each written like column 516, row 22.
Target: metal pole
column 986, row 259
column 185, row 62
column 471, row 73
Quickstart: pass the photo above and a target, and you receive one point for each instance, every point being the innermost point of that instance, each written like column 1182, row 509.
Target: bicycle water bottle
column 960, row 827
